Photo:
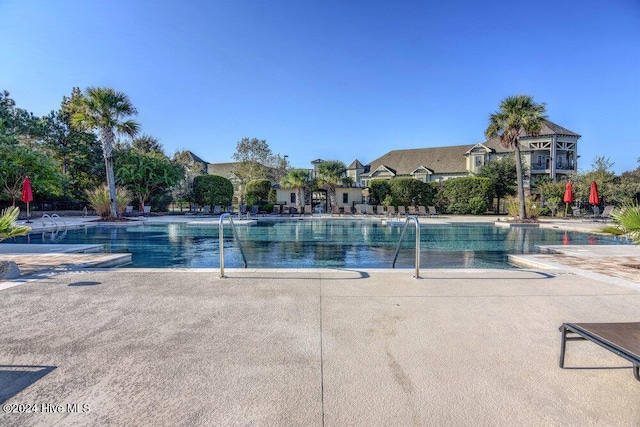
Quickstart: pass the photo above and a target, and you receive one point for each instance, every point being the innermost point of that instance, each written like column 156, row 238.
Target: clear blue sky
column 334, row 79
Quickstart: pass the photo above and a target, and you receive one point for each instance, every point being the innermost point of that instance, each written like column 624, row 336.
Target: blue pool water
column 313, row 244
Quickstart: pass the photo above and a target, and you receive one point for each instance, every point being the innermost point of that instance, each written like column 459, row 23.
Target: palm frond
column 8, row 228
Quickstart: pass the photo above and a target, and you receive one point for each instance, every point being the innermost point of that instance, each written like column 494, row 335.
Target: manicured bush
column 460, row 191
column 379, row 190
column 212, row 190
column 411, row 192
column 478, row 205
column 256, row 191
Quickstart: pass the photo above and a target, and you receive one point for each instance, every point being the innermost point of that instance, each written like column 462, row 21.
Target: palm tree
column 330, row 175
column 104, row 110
column 296, row 180
column 518, row 116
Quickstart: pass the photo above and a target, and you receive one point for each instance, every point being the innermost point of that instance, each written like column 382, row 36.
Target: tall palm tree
column 104, row 110
column 330, row 175
column 518, row 116
column 296, row 180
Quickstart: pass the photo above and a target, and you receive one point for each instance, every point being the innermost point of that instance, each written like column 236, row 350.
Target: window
column 292, row 198
column 345, row 198
column 479, row 160
column 539, row 159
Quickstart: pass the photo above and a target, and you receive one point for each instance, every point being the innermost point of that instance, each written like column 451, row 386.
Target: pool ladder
column 417, row 256
column 53, row 221
column 221, row 237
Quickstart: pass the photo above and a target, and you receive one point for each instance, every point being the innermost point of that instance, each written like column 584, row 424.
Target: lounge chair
column 391, row 211
column 335, row 210
column 412, row 210
column 276, row 210
column 380, row 210
column 402, row 211
column 128, row 211
column 432, row 211
column 606, row 212
column 285, row 210
column 622, row 339
column 308, row 210
column 369, row 210
column 217, row 210
column 422, row 211
column 575, row 211
column 254, row 210
column 147, row 211
column 359, row 209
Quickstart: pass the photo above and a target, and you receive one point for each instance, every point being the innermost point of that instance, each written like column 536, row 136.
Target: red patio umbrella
column 568, row 197
column 594, row 199
column 27, row 194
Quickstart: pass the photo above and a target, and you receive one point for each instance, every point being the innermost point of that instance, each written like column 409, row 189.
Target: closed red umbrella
column 568, row 197
column 27, row 194
column 594, row 199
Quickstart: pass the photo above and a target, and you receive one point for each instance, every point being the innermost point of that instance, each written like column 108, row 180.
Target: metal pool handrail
column 404, row 230
column 221, row 237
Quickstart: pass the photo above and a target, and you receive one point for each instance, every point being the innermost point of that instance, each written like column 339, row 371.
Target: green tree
column 147, row 144
column 104, row 110
column 518, row 114
column 77, row 153
column 18, row 161
column 330, row 176
column 212, row 190
column 256, row 160
column 379, row 189
column 504, row 176
column 146, row 174
column 297, row 180
column 257, row 191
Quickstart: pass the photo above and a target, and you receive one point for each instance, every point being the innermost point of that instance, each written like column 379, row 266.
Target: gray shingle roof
column 438, row 159
column 223, row 169
column 355, row 165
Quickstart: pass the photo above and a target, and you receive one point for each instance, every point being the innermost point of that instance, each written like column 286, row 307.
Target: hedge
column 212, row 190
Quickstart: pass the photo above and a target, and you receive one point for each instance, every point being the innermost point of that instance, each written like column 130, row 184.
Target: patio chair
column 276, row 210
column 369, row 210
column 432, row 211
column 412, row 210
column 335, row 210
column 254, row 210
column 622, row 339
column 285, row 210
column 380, row 210
column 128, row 211
column 606, row 212
column 402, row 211
column 575, row 211
column 391, row 211
column 217, row 210
column 358, row 209
column 308, row 210
column 147, row 211
column 422, row 211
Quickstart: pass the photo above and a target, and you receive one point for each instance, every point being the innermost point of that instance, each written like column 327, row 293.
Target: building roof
column 355, row 165
column 438, row 159
column 223, row 169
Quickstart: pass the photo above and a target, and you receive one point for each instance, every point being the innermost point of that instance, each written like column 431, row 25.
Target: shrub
column 628, row 220
column 379, row 190
column 257, row 191
column 8, row 227
column 460, row 191
column 100, row 200
column 478, row 205
column 212, row 190
column 410, row 191
column 511, row 204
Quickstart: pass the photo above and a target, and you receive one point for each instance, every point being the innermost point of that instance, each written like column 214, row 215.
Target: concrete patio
column 325, row 347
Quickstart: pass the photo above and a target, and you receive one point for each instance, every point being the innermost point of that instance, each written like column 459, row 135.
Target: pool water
column 321, row 243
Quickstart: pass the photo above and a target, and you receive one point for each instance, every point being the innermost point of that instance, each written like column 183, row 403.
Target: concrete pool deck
column 317, row 347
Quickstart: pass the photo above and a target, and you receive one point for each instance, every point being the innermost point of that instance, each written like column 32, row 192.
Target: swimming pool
column 321, row 243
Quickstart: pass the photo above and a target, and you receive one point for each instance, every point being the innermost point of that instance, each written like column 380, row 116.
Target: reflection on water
column 323, row 243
